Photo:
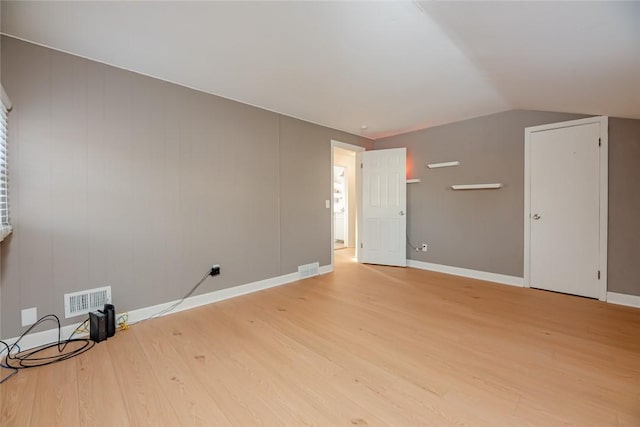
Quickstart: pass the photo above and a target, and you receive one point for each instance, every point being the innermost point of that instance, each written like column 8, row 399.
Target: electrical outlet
column 29, row 316
column 424, row 247
column 215, row 270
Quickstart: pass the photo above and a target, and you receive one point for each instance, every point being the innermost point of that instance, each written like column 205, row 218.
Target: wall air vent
column 309, row 270
column 83, row 302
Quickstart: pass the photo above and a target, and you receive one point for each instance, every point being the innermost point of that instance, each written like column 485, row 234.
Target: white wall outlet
column 29, row 316
column 424, row 247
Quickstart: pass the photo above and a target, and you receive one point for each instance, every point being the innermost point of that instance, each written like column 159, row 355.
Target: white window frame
column 5, row 107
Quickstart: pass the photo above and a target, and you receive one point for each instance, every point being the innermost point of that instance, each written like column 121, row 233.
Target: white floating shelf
column 413, row 181
column 443, row 164
column 476, row 186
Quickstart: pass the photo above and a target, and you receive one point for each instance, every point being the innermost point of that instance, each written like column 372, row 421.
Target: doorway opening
column 345, row 199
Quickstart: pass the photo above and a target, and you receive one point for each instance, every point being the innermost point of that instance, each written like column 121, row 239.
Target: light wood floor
column 366, row 345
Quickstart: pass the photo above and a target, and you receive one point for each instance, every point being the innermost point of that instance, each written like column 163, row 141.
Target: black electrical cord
column 177, row 303
column 33, row 358
column 2, row 365
column 410, row 244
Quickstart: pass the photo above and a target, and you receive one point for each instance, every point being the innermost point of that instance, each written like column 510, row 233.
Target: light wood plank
column 145, row 401
column 193, row 405
column 100, row 399
column 16, row 398
column 286, row 360
column 244, row 392
column 60, row 406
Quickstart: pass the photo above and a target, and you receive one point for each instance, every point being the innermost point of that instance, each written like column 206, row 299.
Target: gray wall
column 123, row 180
column 624, row 206
column 483, row 230
column 303, row 176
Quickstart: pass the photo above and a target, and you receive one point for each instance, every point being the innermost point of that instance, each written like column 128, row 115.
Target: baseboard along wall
column 465, row 272
column 51, row 335
column 612, row 297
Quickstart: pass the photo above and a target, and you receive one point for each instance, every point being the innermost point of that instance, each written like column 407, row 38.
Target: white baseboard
column 325, row 269
column 623, row 299
column 612, row 297
column 474, row 274
column 44, row 337
column 51, row 335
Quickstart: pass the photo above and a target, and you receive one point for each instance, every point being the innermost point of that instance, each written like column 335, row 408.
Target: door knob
column 401, row 213
column 536, row 217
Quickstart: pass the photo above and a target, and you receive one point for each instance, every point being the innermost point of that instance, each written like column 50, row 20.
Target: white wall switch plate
column 327, row 204
column 29, row 316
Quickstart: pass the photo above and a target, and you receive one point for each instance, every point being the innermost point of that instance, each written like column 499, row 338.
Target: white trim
column 325, row 269
column 5, row 231
column 604, row 204
column 51, row 335
column 465, row 272
column 215, row 296
column 623, row 299
column 526, row 260
column 604, row 193
column 5, row 98
column 356, row 149
column 611, row 298
column 345, row 146
column 358, row 241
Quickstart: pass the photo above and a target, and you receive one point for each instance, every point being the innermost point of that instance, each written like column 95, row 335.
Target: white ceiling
column 393, row 66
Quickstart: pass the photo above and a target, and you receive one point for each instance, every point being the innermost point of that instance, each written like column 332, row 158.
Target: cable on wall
column 187, row 295
column 411, row 244
column 415, row 248
column 213, row 271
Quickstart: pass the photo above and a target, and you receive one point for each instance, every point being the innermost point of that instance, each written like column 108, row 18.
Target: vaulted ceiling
column 390, row 66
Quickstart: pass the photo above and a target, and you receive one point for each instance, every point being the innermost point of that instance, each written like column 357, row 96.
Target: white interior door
column 384, row 204
column 565, row 209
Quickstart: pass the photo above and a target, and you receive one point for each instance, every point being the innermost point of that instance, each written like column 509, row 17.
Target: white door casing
column 384, row 207
column 566, row 207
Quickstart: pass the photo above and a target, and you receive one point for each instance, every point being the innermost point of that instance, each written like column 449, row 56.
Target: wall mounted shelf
column 413, row 181
column 443, row 164
column 476, row 186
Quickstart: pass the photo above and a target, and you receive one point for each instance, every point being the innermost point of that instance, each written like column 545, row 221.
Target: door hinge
column 360, row 165
column 598, row 274
column 360, row 245
column 599, row 142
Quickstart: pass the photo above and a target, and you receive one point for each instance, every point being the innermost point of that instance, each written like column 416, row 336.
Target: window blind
column 5, row 227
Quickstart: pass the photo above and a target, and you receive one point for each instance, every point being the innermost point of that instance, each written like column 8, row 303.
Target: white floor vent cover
column 83, row 302
column 309, row 270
